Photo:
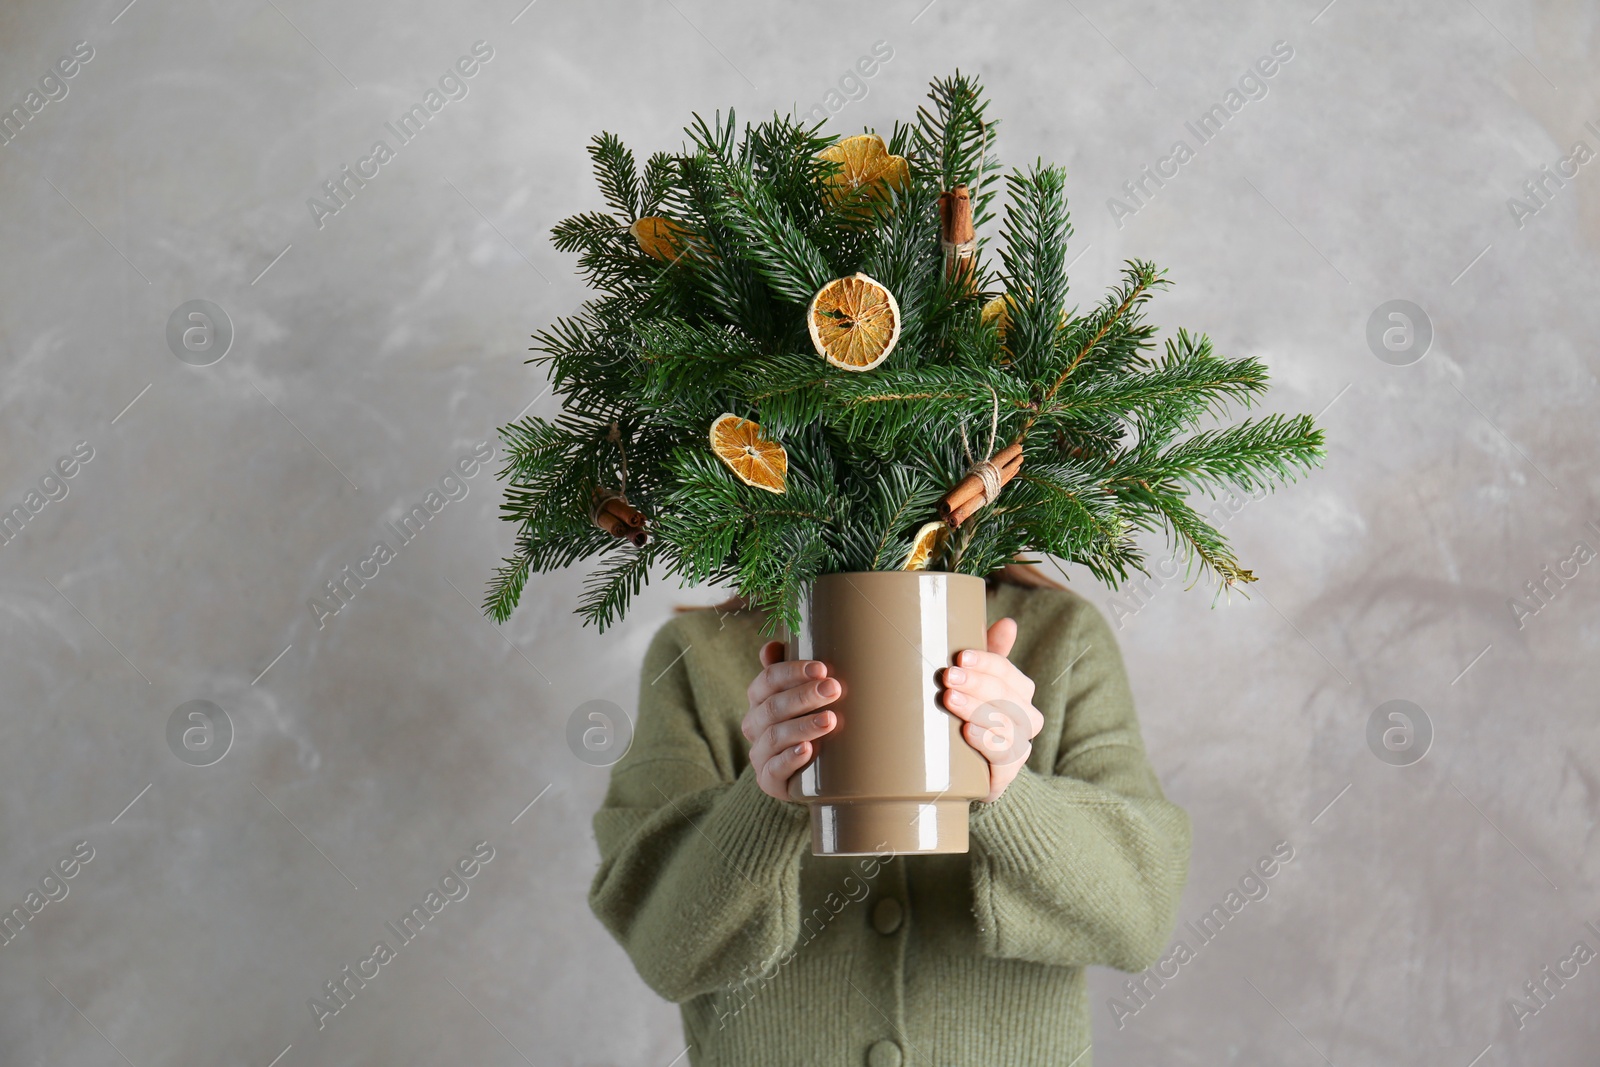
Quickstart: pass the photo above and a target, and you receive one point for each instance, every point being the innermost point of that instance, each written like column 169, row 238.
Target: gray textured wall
column 370, row 353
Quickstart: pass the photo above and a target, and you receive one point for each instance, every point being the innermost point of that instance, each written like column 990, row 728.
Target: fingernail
column 821, row 718
column 814, row 670
column 829, row 688
column 966, row 657
column 955, row 676
column 799, row 750
column 954, row 699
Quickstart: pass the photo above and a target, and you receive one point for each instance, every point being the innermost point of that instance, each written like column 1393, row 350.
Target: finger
column 774, row 774
column 801, row 699
column 776, row 677
column 1000, row 746
column 1035, row 721
column 1002, row 636
column 991, row 743
column 779, row 707
column 772, row 652
column 983, row 691
column 1008, row 736
column 783, row 704
column 784, row 674
column 989, row 663
column 994, row 715
column 975, row 688
column 778, row 703
column 803, row 728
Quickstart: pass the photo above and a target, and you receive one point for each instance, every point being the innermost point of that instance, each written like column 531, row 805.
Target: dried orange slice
column 854, row 322
column 659, row 238
column 753, row 459
column 866, row 161
column 927, row 544
column 998, row 311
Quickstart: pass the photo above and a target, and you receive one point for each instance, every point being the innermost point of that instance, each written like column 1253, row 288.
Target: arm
column 700, row 870
column 1083, row 862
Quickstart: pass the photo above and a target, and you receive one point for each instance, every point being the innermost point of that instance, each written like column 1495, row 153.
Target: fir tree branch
column 951, row 141
column 1111, row 445
column 1200, row 541
column 1141, row 276
column 771, row 241
column 506, row 588
column 608, row 591
column 1037, row 228
column 1248, row 455
column 616, row 174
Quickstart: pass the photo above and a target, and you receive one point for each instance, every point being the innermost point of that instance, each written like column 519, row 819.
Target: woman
column 779, row 957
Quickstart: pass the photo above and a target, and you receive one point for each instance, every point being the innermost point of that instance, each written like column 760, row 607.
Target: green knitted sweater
column 777, row 957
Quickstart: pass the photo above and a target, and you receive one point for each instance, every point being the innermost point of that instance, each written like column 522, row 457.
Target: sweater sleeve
column 1083, row 862
column 699, row 869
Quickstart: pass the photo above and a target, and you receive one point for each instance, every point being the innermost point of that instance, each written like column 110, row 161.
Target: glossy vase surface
column 895, row 774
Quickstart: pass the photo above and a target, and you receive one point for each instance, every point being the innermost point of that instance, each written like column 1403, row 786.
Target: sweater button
column 886, row 914
column 883, row 1053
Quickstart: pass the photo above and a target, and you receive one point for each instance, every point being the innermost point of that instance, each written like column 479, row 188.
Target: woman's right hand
column 783, row 720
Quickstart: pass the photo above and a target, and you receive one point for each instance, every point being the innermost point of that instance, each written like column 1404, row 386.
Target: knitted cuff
column 1018, row 831
column 760, row 835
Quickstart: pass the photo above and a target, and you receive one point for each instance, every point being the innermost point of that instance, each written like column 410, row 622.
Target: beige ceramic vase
column 895, row 773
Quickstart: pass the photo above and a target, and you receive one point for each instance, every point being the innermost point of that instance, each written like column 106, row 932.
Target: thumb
column 773, row 652
column 1002, row 635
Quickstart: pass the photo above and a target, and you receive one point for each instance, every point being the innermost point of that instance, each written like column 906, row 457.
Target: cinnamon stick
column 967, row 497
column 630, row 516
column 972, row 484
column 957, row 236
column 612, row 513
column 966, row 511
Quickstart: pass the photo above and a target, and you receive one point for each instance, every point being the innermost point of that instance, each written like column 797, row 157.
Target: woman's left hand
column 995, row 701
